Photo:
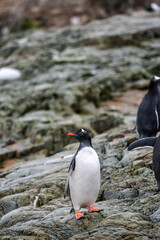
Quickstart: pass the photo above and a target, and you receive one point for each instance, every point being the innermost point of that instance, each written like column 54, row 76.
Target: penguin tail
column 149, row 141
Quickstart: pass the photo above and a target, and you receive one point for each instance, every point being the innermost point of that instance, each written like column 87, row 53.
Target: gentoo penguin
column 153, row 7
column 153, row 142
column 148, row 123
column 83, row 175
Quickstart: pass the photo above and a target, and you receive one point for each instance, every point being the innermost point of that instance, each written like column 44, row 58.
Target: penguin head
column 81, row 135
column 155, row 81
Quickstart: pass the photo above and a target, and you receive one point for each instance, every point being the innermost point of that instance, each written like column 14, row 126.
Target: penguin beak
column 71, row 134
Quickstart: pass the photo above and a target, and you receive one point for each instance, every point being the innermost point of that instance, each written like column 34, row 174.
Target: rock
column 129, row 193
column 73, row 13
column 56, row 90
column 121, row 202
column 138, row 164
column 105, row 121
column 112, row 195
column 87, row 108
column 77, row 77
column 125, row 161
column 140, row 84
column 7, row 206
column 111, row 161
column 155, row 217
column 19, row 149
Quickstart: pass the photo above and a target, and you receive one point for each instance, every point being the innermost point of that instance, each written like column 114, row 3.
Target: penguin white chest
column 85, row 180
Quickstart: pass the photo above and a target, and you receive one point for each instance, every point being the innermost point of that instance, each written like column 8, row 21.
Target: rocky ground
column 27, row 14
column 94, row 77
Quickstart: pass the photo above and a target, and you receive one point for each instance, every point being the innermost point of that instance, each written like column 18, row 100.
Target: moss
column 31, row 24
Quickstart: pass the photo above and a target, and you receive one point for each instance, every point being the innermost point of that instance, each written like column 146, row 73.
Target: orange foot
column 92, row 209
column 78, row 214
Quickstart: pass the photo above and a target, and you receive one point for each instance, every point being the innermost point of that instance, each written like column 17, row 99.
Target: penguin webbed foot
column 92, row 209
column 79, row 215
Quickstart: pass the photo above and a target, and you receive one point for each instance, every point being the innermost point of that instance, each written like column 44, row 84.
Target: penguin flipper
column 157, row 116
column 66, row 186
column 149, row 141
column 158, row 112
column 71, row 169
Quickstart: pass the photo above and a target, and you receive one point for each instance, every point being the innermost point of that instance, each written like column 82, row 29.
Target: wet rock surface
column 91, row 77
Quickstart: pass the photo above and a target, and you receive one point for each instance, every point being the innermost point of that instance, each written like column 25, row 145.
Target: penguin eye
column 81, row 133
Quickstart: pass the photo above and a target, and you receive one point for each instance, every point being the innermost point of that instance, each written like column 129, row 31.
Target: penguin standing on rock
column 153, row 142
column 83, row 175
column 148, row 116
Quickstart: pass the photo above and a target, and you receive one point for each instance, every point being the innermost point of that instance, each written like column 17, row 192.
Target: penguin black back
column 148, row 115
column 154, row 142
column 156, row 161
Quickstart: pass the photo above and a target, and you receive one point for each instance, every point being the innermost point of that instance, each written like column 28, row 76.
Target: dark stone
column 105, row 121
column 112, row 195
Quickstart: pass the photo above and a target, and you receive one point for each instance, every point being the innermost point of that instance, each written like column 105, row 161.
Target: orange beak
column 71, row 134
